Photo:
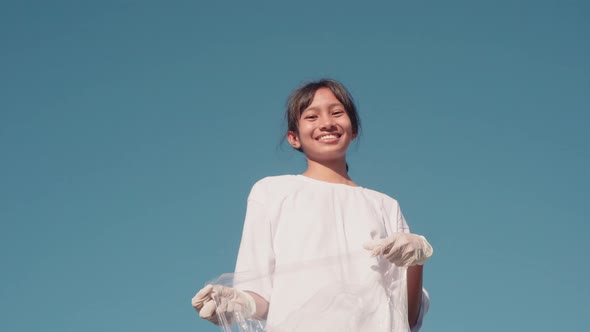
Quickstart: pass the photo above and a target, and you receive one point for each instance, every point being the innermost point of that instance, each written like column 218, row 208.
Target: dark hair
column 301, row 98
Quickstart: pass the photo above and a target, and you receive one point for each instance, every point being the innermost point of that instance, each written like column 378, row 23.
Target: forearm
column 261, row 306
column 414, row 281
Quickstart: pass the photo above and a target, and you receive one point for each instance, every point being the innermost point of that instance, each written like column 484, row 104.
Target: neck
column 334, row 172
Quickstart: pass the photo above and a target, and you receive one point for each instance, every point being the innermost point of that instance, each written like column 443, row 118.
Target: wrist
column 249, row 305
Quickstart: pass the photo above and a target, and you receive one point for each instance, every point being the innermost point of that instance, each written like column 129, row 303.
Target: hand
column 215, row 300
column 402, row 249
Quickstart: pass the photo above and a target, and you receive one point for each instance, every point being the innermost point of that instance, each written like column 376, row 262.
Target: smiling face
column 324, row 128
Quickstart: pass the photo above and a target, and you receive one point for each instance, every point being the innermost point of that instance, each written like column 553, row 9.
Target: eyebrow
column 333, row 105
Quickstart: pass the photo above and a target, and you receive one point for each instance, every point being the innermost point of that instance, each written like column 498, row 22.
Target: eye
column 338, row 113
column 310, row 117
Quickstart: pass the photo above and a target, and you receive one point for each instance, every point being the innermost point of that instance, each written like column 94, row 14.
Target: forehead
column 323, row 97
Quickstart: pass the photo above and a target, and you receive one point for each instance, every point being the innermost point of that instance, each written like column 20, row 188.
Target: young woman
column 328, row 255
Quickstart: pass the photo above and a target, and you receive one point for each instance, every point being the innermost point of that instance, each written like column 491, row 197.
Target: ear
column 293, row 139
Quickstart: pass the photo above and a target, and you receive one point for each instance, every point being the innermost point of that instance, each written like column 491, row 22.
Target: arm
column 255, row 262
column 414, row 280
column 405, row 249
column 418, row 299
column 261, row 306
column 252, row 280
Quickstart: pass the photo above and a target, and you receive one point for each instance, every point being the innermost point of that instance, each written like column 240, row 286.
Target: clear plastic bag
column 352, row 292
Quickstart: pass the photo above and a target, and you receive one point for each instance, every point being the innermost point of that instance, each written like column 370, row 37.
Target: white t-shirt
column 302, row 250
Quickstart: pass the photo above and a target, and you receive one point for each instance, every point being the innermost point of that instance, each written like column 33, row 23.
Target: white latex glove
column 233, row 303
column 401, row 249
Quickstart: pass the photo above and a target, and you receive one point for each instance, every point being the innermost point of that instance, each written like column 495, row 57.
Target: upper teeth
column 326, row 137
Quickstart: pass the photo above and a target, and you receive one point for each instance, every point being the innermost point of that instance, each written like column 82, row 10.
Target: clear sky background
column 132, row 131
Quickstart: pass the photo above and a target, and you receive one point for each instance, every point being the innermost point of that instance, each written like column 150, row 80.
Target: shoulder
column 395, row 221
column 386, row 200
column 275, row 181
column 271, row 186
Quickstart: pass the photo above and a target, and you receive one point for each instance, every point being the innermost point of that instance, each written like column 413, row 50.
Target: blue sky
column 132, row 131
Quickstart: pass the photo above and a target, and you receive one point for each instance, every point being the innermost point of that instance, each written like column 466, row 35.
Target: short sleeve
column 255, row 262
column 402, row 225
column 395, row 223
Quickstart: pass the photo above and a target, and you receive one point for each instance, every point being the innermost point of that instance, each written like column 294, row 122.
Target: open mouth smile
column 328, row 138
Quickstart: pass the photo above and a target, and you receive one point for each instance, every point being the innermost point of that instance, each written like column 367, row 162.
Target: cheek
column 347, row 125
column 305, row 129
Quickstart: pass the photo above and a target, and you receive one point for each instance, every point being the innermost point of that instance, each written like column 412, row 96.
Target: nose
column 328, row 123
